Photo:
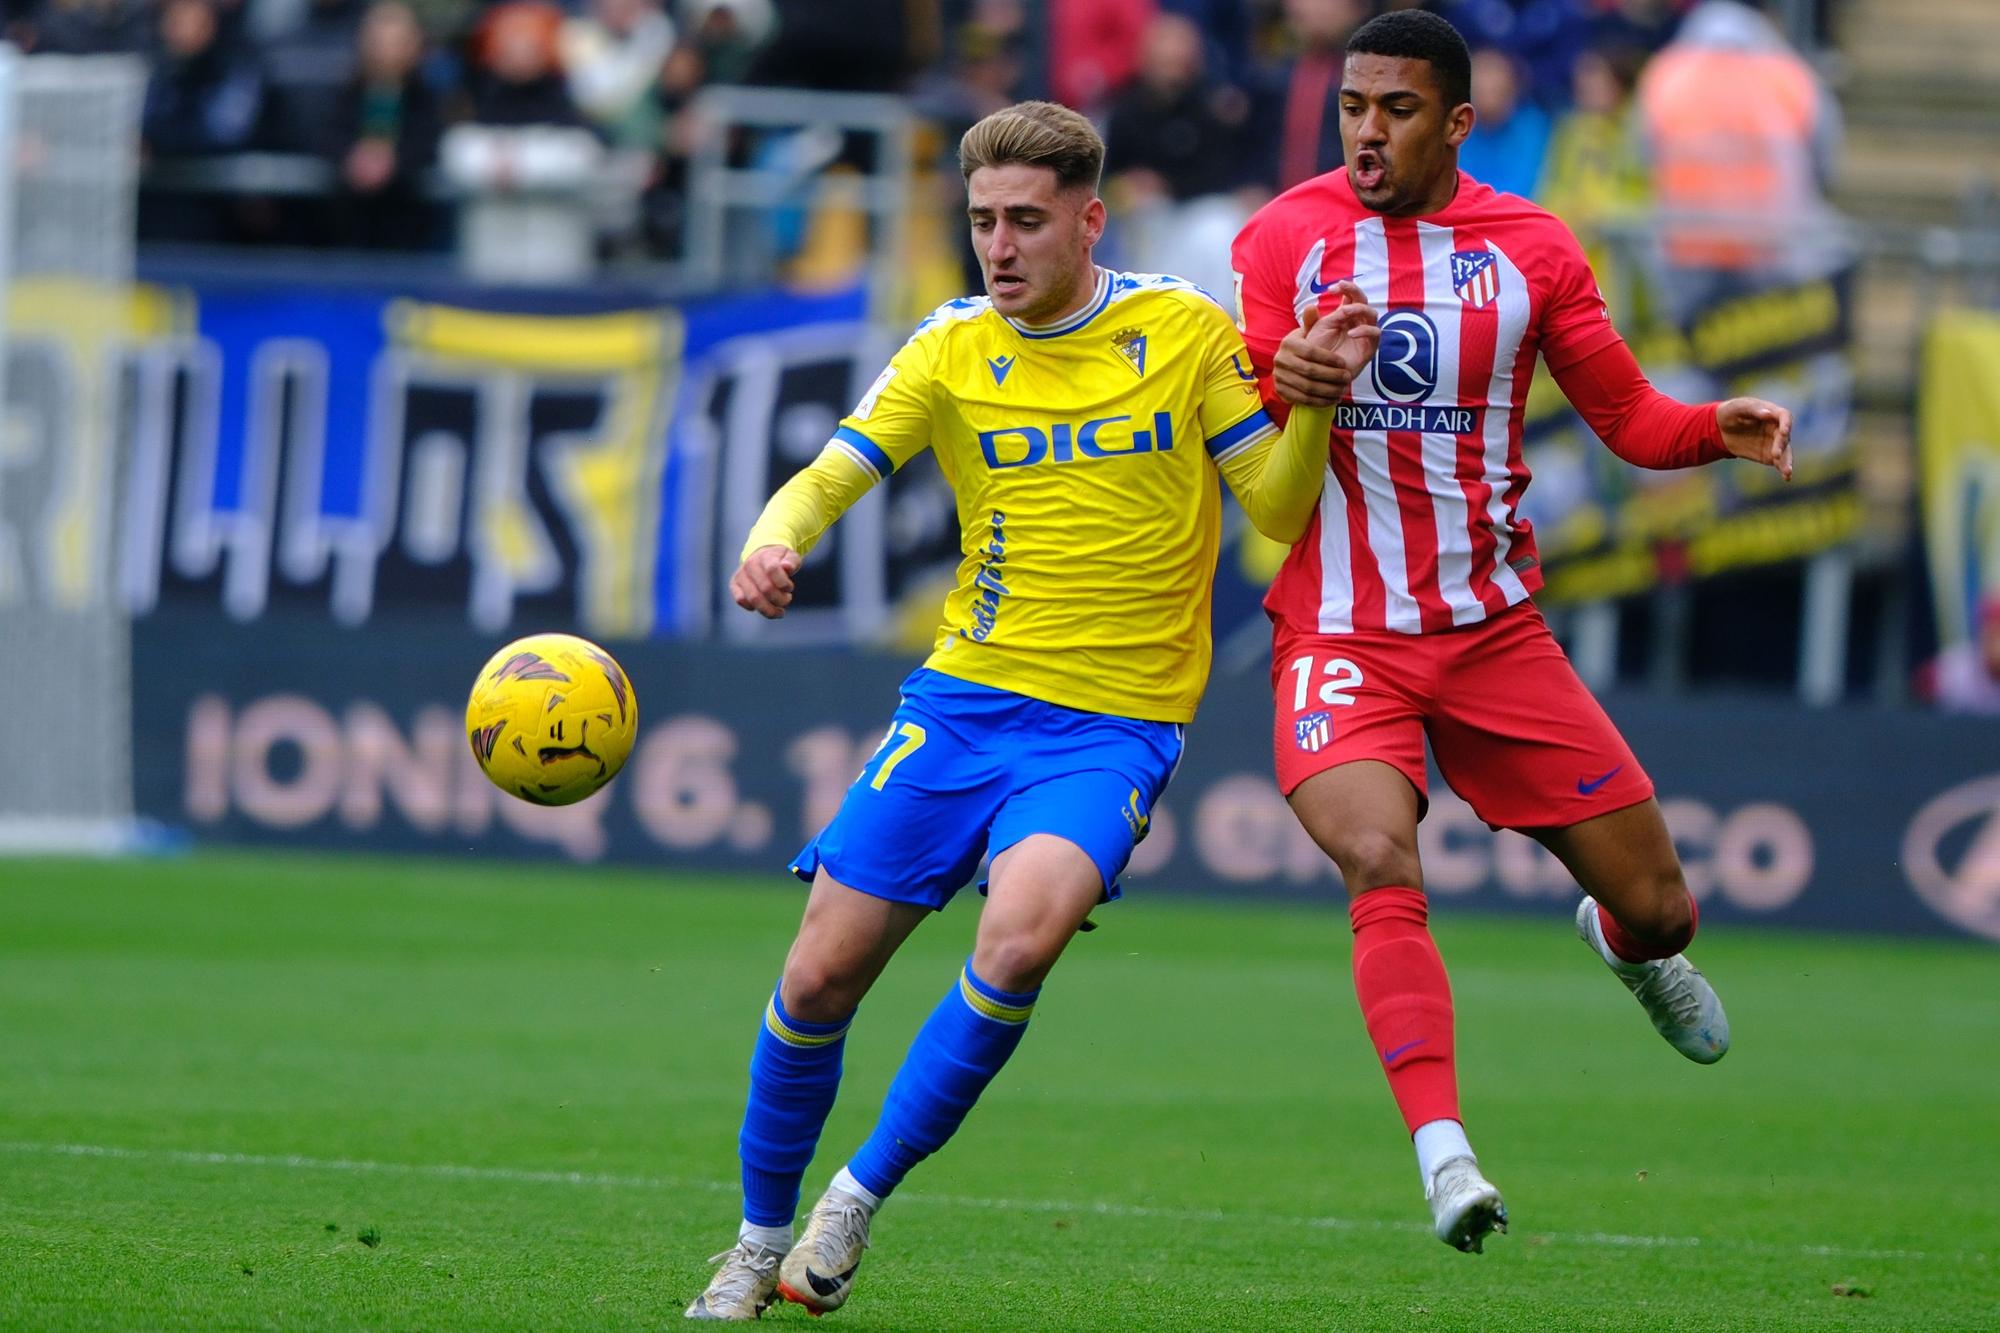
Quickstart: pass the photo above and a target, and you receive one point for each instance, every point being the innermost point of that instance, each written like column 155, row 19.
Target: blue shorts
column 966, row 767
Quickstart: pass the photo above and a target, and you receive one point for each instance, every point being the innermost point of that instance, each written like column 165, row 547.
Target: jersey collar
column 1099, row 299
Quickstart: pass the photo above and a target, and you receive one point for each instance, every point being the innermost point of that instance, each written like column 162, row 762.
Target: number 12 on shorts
column 892, row 752
column 1341, row 678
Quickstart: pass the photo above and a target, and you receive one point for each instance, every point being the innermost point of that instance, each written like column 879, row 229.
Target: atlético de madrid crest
column 1313, row 731
column 1475, row 276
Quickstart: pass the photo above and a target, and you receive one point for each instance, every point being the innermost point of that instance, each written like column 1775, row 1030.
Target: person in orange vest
column 1740, row 136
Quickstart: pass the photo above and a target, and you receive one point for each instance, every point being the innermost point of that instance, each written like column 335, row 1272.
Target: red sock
column 1622, row 943
column 1406, row 1002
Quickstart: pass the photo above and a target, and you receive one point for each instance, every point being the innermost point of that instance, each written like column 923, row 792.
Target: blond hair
column 1036, row 134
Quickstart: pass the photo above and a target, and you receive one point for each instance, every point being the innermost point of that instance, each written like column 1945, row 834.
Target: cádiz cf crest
column 1131, row 344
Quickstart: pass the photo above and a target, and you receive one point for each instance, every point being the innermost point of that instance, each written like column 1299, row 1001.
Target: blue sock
column 959, row 1049
column 794, row 1074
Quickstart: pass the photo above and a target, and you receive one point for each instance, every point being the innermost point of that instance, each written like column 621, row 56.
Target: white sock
column 778, row 1239
column 1438, row 1142
column 844, row 1181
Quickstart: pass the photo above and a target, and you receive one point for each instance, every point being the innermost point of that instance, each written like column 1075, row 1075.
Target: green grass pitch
column 252, row 1091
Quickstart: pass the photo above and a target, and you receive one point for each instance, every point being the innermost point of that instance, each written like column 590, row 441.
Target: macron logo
column 1000, row 365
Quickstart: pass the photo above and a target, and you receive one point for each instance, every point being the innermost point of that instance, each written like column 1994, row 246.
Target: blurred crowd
column 1593, row 107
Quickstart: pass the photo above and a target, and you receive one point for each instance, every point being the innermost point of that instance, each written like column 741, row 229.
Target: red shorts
column 1515, row 733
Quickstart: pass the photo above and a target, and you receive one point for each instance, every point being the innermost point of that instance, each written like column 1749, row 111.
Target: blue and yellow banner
column 591, row 461
column 1958, row 459
column 280, row 441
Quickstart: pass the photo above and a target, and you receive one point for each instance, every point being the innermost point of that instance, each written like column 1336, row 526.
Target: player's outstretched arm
column 793, row 521
column 1645, row 427
column 1758, row 431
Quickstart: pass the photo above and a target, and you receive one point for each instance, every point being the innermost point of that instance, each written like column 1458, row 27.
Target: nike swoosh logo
column 1584, row 788
column 1317, row 287
column 1389, row 1057
column 826, row 1286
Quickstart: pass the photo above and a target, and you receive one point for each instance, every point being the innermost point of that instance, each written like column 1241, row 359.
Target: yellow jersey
column 1084, row 456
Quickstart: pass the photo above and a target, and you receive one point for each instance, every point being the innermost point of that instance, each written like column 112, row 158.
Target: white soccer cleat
column 1464, row 1205
column 743, row 1288
column 819, row 1272
column 1673, row 992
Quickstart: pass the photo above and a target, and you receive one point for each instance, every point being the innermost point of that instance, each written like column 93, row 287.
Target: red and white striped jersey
column 1418, row 527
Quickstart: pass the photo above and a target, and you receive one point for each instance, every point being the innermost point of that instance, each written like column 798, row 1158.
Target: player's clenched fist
column 763, row 582
column 1758, row 431
column 1316, row 362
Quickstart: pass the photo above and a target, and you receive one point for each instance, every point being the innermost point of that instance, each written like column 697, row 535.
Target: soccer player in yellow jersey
column 1082, row 417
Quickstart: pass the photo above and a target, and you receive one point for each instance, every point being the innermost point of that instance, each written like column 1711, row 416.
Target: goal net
column 69, row 138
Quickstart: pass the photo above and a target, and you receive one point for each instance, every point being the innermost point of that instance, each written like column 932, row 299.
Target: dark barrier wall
column 295, row 732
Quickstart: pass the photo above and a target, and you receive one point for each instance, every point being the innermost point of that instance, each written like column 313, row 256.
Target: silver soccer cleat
column 1672, row 991
column 743, row 1288
column 819, row 1272
column 1464, row 1205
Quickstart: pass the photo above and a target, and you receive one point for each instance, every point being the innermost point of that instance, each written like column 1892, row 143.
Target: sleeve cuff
column 863, row 451
column 1253, row 428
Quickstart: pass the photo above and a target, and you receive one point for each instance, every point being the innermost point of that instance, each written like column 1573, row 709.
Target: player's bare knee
column 816, row 992
column 1664, row 919
column 1375, row 859
column 1014, row 961
column 1674, row 921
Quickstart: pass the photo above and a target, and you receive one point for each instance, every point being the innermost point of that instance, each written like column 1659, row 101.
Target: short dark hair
column 1418, row 34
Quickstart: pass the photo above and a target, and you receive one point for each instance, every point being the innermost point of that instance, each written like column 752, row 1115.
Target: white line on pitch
column 606, row 1180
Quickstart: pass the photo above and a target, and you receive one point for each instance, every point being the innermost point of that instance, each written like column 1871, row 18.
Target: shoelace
column 1670, row 983
column 742, row 1268
column 848, row 1224
column 1451, row 1179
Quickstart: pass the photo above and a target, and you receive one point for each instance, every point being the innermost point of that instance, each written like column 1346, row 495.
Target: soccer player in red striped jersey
column 1404, row 611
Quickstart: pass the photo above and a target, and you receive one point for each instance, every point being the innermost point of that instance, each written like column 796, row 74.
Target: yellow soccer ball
column 552, row 718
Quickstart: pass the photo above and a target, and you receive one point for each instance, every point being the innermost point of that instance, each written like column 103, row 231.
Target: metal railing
column 759, row 153
column 800, row 135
